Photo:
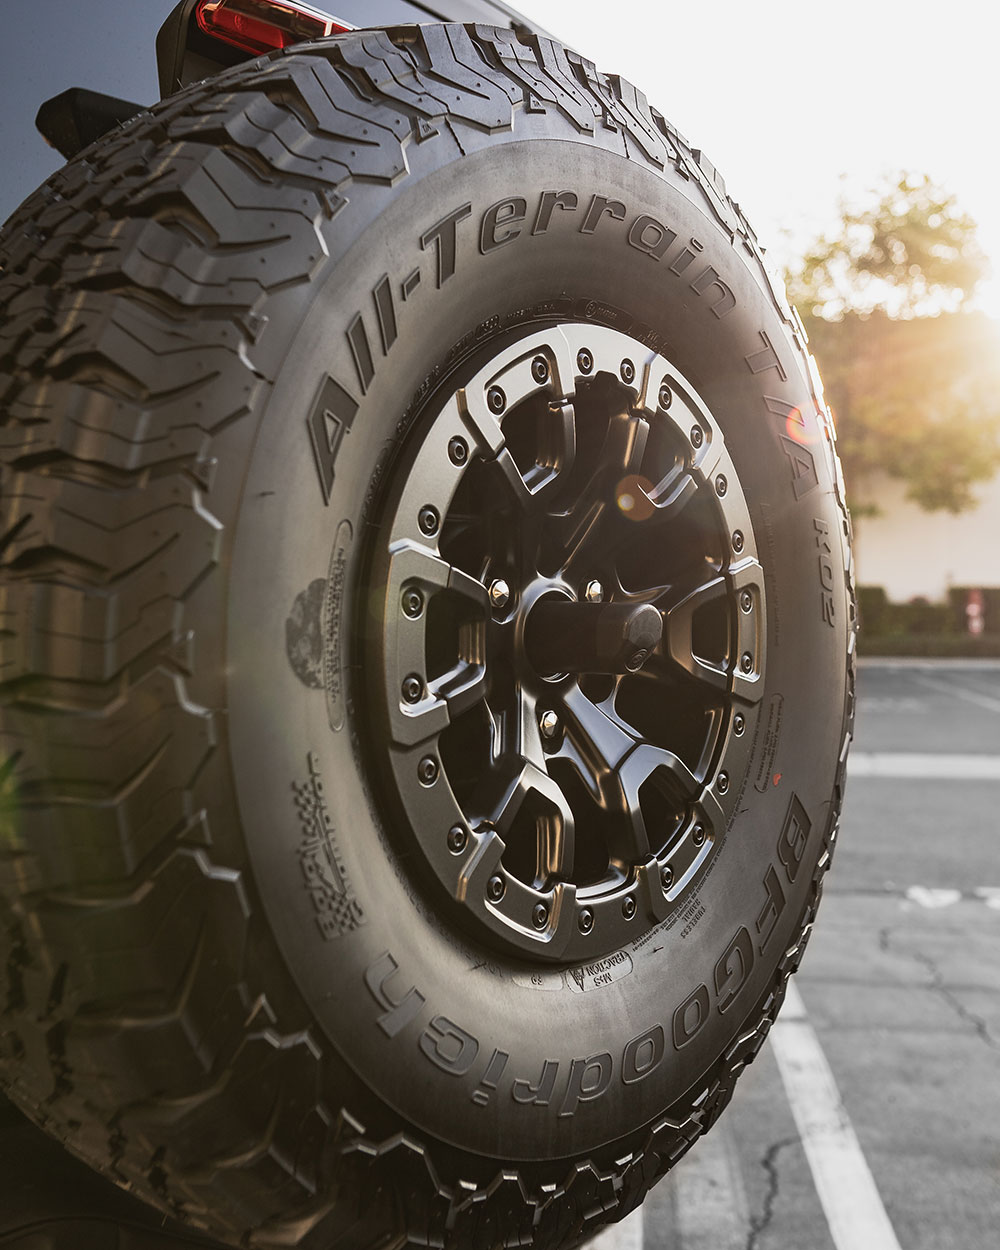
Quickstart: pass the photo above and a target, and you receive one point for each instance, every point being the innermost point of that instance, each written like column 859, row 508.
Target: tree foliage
column 912, row 376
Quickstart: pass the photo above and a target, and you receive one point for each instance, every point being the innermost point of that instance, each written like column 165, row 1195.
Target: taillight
column 263, row 25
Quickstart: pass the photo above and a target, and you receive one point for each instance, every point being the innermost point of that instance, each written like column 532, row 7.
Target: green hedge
column 923, row 628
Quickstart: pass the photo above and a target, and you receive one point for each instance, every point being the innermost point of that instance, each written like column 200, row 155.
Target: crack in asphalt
column 977, row 1023
column 769, row 1162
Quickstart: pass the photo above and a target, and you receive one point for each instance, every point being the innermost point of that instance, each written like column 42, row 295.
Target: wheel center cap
column 563, row 636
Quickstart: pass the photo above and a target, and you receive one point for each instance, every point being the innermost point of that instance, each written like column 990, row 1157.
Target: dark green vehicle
column 427, row 641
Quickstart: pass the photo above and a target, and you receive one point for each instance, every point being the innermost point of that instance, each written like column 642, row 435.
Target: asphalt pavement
column 871, row 1119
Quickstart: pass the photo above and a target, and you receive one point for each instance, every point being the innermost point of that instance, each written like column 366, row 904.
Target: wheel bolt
column 495, row 888
column 737, row 541
column 413, row 688
column 458, row 839
column 721, row 485
column 548, row 723
column 636, row 661
column 427, row 770
column 627, row 370
column 665, row 397
column 585, row 920
column 593, row 592
column 739, row 724
column 666, row 876
column 539, row 915
column 698, row 835
column 540, row 369
column 428, row 519
column 496, row 399
column 628, row 908
column 746, row 662
column 723, row 782
column 499, row 593
column 697, row 436
column 413, row 602
column 584, row 360
column 746, row 600
column 458, row 450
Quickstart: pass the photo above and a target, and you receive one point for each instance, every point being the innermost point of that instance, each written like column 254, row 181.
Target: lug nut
column 628, row 908
column 723, row 782
column 665, row 397
column 539, row 915
column 499, row 593
column 627, row 370
column 721, row 485
column 584, row 360
column 737, row 541
column 413, row 602
column 698, row 835
column 548, row 723
column 746, row 600
column 458, row 839
column 746, row 662
column 585, row 920
column 427, row 770
column 458, row 450
column 540, row 369
column 666, row 876
column 428, row 519
column 496, row 400
column 697, row 436
column 593, row 592
column 495, row 889
column 739, row 723
column 413, row 688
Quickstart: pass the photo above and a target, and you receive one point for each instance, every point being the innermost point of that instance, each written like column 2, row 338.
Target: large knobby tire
column 358, row 889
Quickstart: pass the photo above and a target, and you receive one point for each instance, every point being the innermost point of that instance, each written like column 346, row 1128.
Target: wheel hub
column 569, row 650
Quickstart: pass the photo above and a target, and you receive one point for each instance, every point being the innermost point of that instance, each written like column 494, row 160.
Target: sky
column 796, row 102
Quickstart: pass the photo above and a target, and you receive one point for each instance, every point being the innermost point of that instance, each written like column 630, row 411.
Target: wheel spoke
column 671, row 494
column 678, row 633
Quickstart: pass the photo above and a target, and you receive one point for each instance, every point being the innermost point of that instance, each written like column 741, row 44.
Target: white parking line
column 709, row 1195
column 626, row 1235
column 988, row 701
column 891, row 764
column 843, row 1180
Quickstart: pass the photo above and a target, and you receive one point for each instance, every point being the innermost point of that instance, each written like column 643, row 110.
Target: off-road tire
column 232, row 983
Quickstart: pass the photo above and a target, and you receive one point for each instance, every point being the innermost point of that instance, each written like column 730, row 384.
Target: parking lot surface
column 871, row 1119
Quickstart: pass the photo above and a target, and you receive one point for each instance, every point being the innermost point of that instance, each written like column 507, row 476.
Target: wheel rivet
column 746, row 600
column 628, row 908
column 413, row 688
column 539, row 915
column 548, row 723
column 496, row 399
column 721, row 485
column 540, row 369
column 739, row 724
column 636, row 660
column 627, row 370
column 737, row 541
column 585, row 920
column 723, row 782
column 584, row 360
column 666, row 876
column 698, row 835
column 746, row 662
column 495, row 888
column 665, row 397
column 458, row 450
column 499, row 593
column 428, row 519
column 457, row 839
column 427, row 770
column 697, row 436
column 593, row 592
column 413, row 602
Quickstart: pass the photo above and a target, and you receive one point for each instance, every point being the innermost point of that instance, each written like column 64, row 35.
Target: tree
column 912, row 376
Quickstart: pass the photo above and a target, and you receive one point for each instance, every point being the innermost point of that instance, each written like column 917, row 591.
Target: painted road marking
column 709, row 1196
column 843, row 1180
column 932, row 898
column 626, row 1235
column 900, row 765
column 988, row 701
